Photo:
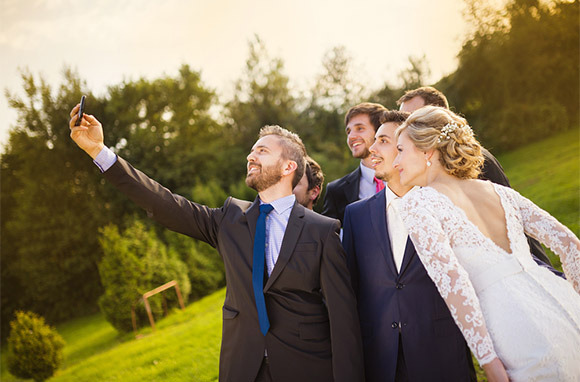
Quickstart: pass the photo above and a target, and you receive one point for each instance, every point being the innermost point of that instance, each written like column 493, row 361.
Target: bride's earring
column 428, row 163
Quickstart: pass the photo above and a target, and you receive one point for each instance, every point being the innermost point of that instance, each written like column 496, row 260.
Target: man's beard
column 383, row 175
column 267, row 177
column 365, row 154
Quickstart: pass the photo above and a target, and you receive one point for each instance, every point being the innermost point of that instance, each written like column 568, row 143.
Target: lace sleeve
column 561, row 240
column 451, row 279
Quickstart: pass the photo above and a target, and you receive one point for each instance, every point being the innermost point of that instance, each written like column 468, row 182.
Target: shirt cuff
column 105, row 159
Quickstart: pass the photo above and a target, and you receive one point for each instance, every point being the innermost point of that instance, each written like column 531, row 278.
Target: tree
column 50, row 208
column 261, row 97
column 135, row 262
column 34, row 348
column 518, row 73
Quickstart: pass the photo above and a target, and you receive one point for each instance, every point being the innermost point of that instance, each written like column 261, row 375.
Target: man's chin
column 383, row 175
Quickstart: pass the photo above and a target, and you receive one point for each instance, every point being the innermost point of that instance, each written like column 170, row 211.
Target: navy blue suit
column 392, row 304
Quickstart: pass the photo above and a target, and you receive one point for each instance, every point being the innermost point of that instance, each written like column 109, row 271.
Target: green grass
column 185, row 346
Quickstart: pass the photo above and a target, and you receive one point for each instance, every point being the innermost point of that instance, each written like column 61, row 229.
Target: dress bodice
column 463, row 262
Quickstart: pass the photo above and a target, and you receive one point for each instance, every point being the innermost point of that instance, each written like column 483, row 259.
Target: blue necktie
column 258, row 267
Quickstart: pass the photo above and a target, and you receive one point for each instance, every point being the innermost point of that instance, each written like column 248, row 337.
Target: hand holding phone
column 81, row 111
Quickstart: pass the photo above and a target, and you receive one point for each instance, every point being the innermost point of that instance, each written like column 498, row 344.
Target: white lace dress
column 504, row 303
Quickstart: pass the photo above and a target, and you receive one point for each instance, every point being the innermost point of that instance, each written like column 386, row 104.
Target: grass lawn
column 548, row 173
column 186, row 345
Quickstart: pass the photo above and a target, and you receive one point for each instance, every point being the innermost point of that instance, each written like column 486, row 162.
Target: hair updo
column 433, row 127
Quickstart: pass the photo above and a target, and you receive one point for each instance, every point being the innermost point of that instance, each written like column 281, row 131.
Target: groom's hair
column 395, row 116
column 429, row 94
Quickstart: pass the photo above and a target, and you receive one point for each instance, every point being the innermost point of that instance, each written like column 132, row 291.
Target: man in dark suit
column 290, row 312
column 492, row 170
column 362, row 122
column 408, row 332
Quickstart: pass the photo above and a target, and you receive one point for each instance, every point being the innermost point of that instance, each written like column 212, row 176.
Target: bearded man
column 289, row 312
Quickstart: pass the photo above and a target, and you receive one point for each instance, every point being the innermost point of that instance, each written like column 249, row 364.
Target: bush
column 205, row 266
column 134, row 263
column 34, row 348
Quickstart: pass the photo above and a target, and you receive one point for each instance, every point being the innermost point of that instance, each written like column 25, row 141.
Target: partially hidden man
column 289, row 312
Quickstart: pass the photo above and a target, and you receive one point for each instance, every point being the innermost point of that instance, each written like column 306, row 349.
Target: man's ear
column 290, row 167
column 313, row 193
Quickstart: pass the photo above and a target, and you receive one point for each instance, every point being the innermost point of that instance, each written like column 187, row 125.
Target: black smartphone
column 81, row 111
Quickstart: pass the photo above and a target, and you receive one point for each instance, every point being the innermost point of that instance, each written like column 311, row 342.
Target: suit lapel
column 251, row 217
column 351, row 188
column 378, row 215
column 409, row 253
column 293, row 229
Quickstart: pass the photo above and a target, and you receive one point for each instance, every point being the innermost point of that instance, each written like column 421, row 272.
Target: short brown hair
column 395, row 116
column 460, row 153
column 429, row 94
column 292, row 148
column 314, row 175
column 373, row 110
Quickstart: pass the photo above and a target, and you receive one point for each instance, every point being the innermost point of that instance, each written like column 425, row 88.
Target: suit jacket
column 314, row 331
column 405, row 304
column 340, row 193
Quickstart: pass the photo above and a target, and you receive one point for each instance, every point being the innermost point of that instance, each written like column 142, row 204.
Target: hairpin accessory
column 451, row 127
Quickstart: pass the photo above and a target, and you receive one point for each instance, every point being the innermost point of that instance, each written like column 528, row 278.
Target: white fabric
column 504, row 303
column 105, row 159
column 397, row 231
column 366, row 186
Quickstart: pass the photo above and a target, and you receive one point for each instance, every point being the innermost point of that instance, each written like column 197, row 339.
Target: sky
column 109, row 41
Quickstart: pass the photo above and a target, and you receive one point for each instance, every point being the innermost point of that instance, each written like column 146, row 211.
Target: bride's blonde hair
column 433, row 127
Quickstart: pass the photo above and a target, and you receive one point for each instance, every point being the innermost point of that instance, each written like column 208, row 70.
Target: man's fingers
column 90, row 118
column 75, row 110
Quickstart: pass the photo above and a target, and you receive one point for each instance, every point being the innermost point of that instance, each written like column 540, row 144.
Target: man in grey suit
column 289, row 312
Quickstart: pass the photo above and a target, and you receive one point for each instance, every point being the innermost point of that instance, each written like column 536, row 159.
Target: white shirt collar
column 282, row 204
column 367, row 174
column 390, row 195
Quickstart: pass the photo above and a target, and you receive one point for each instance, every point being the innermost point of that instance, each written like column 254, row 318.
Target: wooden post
column 160, row 289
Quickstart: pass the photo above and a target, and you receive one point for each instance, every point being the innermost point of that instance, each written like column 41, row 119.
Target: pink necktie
column 379, row 184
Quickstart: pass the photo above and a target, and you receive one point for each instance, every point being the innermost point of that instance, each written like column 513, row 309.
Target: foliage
column 205, row 268
column 136, row 262
column 185, row 347
column 518, row 75
column 35, row 349
column 49, row 250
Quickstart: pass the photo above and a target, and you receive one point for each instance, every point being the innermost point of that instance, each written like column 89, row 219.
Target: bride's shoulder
column 422, row 196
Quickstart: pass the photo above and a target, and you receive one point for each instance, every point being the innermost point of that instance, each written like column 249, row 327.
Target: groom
column 408, row 332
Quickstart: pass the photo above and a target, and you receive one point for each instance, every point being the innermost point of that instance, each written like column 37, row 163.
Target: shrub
column 133, row 263
column 205, row 266
column 34, row 348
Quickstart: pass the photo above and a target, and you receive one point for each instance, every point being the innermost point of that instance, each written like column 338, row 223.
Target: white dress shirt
column 367, row 186
column 397, row 231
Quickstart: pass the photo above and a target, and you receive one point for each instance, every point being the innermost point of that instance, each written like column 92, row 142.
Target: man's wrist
column 94, row 152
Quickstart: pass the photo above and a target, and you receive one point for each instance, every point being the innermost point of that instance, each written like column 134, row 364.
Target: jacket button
column 399, row 286
column 395, row 325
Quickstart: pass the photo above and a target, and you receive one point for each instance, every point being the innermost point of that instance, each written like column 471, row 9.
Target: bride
column 521, row 321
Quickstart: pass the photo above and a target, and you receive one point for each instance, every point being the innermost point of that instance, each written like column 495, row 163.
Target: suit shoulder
column 357, row 205
column 313, row 217
column 350, row 177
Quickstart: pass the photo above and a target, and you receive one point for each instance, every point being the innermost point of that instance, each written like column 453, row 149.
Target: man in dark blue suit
column 408, row 332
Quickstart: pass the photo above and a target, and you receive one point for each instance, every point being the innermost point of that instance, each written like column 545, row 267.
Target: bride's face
column 410, row 162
